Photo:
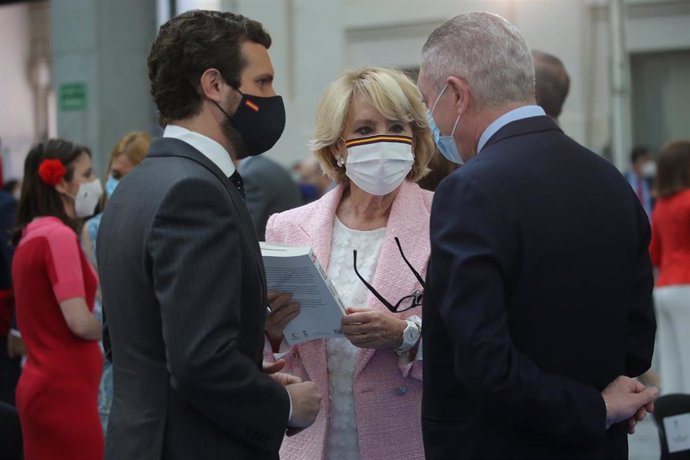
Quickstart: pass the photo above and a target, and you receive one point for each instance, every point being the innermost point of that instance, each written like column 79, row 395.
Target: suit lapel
column 171, row 147
column 317, row 231
column 318, row 227
column 409, row 221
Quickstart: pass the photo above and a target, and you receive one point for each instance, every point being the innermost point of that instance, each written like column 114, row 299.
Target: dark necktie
column 237, row 181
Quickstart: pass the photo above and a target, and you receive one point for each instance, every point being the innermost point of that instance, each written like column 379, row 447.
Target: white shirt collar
column 207, row 146
column 526, row 111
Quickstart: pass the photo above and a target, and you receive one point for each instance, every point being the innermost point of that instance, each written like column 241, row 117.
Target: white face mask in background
column 379, row 164
column 87, row 198
column 649, row 169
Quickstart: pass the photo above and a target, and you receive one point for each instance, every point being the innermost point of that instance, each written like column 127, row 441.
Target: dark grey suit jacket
column 184, row 291
column 269, row 189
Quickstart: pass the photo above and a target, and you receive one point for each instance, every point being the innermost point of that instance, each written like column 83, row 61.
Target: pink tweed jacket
column 387, row 392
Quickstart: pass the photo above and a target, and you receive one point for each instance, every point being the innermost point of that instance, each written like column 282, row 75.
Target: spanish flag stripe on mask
column 378, row 138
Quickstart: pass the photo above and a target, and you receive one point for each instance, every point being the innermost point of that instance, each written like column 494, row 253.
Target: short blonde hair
column 135, row 145
column 393, row 94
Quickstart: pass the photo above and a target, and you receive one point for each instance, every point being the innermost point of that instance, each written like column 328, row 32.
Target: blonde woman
column 371, row 233
column 126, row 155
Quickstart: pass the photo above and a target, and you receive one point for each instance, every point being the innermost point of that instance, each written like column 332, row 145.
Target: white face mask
column 379, row 164
column 87, row 198
column 649, row 169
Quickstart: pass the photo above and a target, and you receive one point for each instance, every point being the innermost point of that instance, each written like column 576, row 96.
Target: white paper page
column 677, row 432
column 320, row 309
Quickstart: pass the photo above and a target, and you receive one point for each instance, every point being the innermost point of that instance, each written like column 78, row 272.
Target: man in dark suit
column 551, row 83
column 537, row 308
column 269, row 189
column 641, row 177
column 181, row 272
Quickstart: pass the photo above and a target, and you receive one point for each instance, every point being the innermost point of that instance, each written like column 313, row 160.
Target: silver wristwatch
column 411, row 335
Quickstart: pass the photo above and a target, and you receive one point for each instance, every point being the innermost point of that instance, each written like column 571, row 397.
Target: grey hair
column 487, row 51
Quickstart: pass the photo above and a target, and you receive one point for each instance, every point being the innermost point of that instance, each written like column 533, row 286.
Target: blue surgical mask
column 110, row 185
column 446, row 144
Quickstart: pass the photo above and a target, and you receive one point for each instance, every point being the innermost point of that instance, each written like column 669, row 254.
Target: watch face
column 411, row 334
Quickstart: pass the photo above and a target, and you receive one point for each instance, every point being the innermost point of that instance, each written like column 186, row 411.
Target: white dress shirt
column 207, row 146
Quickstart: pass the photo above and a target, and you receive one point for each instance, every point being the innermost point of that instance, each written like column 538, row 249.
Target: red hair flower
column 51, row 171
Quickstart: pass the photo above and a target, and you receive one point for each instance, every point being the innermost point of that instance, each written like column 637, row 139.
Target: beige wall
column 17, row 129
column 314, row 40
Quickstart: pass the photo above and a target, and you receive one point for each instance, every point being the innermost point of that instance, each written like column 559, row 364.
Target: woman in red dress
column 670, row 252
column 55, row 288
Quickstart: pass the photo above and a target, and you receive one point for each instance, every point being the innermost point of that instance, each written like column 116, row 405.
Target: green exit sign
column 72, row 96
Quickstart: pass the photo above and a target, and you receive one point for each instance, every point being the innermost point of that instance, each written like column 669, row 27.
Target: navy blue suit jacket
column 538, row 295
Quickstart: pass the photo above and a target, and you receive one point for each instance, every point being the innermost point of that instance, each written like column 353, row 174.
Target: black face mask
column 259, row 120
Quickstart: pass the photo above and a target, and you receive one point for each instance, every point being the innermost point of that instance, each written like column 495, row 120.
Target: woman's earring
column 339, row 161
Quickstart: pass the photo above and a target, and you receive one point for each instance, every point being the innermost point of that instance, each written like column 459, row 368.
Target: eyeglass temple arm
column 416, row 274
column 369, row 286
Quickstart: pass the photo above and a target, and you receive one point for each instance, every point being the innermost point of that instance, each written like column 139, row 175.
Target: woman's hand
column 80, row 320
column 366, row 328
column 283, row 310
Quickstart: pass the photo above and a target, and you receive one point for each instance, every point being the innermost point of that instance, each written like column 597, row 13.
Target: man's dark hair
column 39, row 199
column 552, row 82
column 189, row 44
column 638, row 153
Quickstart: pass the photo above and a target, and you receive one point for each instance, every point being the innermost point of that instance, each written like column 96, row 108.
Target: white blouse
column 343, row 443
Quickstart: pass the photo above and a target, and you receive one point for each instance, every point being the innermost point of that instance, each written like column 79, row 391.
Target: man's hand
column 285, row 379
column 273, row 367
column 306, row 402
column 639, row 416
column 628, row 399
column 283, row 310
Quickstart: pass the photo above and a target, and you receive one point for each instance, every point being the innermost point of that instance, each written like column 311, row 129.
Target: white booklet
column 294, row 269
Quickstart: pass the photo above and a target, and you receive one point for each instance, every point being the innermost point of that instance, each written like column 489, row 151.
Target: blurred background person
column 372, row 138
column 641, row 177
column 313, row 183
column 552, row 83
column 9, row 364
column 439, row 168
column 269, row 189
column 670, row 252
column 126, row 155
column 55, row 289
column 13, row 187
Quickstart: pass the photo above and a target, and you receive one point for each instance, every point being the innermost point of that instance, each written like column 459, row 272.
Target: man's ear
column 460, row 91
column 211, row 84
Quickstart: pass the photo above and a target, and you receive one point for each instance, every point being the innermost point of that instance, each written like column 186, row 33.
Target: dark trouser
column 9, row 373
column 10, row 433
